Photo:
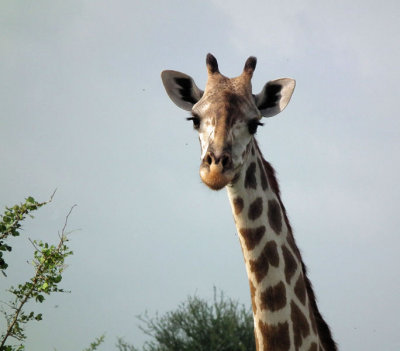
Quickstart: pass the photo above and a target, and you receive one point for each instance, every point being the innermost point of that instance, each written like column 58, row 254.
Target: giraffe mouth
column 215, row 177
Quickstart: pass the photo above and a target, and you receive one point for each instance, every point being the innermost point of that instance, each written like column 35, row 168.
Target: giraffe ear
column 275, row 96
column 181, row 89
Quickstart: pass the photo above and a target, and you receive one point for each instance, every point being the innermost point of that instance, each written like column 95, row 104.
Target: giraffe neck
column 284, row 318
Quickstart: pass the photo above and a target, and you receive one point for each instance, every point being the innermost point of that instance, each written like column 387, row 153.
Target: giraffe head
column 226, row 115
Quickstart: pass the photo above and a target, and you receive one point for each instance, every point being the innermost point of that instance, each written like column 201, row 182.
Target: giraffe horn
column 249, row 66
column 212, row 64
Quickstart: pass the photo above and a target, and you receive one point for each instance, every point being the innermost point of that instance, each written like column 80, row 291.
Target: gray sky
column 83, row 110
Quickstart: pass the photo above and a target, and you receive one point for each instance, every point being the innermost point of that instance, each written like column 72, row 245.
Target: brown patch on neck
column 269, row 256
column 301, row 327
column 272, row 180
column 311, row 313
column 290, row 264
column 275, row 216
column 252, row 236
column 274, row 297
column 250, row 181
column 264, row 181
column 275, row 337
column 238, row 205
column 255, row 209
column 300, row 289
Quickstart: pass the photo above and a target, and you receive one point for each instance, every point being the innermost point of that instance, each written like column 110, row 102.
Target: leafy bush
column 197, row 325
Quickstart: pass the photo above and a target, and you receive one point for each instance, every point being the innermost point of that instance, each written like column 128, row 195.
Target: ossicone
column 212, row 64
column 250, row 66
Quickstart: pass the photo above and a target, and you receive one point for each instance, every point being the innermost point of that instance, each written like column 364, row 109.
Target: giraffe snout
column 222, row 161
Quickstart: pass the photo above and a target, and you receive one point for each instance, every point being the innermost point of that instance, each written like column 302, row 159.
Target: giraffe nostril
column 225, row 160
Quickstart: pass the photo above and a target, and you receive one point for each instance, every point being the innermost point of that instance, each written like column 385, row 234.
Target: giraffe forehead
column 226, row 104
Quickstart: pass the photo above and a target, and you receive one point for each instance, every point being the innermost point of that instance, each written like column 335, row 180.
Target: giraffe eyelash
column 253, row 124
column 196, row 121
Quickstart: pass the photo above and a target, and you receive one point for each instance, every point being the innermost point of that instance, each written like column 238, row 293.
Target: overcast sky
column 83, row 110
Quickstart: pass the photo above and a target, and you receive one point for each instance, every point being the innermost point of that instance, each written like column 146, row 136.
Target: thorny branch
column 49, row 265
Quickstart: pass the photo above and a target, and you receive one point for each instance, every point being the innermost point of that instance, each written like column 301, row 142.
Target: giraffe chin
column 214, row 179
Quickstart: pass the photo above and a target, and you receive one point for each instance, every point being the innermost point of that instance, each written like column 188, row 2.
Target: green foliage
column 10, row 224
column 48, row 263
column 122, row 345
column 197, row 325
column 95, row 344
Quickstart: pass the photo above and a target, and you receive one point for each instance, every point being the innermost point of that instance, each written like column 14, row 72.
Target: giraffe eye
column 253, row 124
column 196, row 121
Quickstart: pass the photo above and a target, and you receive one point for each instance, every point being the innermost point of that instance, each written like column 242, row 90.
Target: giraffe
column 226, row 116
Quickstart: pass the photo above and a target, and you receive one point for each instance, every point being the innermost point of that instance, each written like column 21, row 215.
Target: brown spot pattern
column 313, row 347
column 238, row 205
column 301, row 328
column 274, row 297
column 255, row 209
column 252, row 236
column 253, row 297
column 290, row 264
column 300, row 289
column 312, row 319
column 292, row 244
column 250, row 177
column 264, row 181
column 274, row 216
column 275, row 337
column 269, row 256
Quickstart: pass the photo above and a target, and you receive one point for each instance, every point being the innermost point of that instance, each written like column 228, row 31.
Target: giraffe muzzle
column 216, row 170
